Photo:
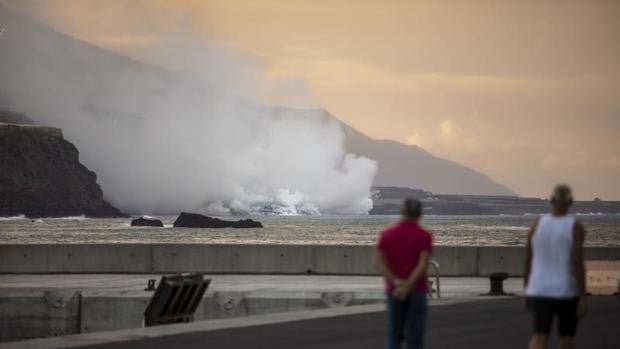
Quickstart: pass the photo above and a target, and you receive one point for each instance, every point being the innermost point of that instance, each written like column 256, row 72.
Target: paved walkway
column 483, row 324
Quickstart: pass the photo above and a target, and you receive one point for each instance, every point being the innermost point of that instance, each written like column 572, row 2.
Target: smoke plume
column 164, row 140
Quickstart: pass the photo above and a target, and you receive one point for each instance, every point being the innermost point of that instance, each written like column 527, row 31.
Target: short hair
column 412, row 208
column 562, row 194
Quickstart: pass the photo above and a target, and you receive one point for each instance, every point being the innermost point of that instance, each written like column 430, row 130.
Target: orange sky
column 527, row 92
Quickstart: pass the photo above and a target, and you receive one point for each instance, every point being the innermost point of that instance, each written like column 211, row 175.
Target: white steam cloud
column 162, row 141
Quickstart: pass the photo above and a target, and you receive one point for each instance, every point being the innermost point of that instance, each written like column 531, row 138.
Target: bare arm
column 382, row 266
column 418, row 270
column 578, row 265
column 528, row 254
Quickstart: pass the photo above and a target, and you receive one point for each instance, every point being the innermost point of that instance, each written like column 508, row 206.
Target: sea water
column 510, row 230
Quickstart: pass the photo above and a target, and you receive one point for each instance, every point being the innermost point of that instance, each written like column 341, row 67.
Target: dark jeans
column 406, row 320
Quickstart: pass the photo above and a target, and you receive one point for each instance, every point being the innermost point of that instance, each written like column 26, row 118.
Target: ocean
column 602, row 230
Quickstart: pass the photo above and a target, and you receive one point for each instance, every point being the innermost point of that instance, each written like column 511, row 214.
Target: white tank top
column 551, row 271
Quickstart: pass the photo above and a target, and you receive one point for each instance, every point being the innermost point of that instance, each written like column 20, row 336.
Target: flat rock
column 195, row 220
column 146, row 222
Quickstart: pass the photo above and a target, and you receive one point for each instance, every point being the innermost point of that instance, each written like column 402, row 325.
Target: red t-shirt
column 402, row 244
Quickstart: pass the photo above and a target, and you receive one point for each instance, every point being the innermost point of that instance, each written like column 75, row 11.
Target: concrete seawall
column 251, row 259
column 49, row 305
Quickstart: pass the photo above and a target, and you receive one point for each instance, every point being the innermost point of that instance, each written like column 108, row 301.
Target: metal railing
column 435, row 266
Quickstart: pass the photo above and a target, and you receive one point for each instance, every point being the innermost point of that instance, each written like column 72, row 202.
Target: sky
column 527, row 92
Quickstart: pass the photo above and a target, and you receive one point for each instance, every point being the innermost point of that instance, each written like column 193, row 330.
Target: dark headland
column 41, row 175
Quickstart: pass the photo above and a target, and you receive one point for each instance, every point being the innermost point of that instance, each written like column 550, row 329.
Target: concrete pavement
column 489, row 324
column 497, row 323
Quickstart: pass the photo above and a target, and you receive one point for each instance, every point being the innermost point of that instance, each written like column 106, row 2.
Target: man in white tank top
column 554, row 272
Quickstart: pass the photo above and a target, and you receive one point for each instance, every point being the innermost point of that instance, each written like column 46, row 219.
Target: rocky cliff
column 41, row 176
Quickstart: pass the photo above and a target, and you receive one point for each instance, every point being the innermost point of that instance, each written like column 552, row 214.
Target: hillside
column 404, row 165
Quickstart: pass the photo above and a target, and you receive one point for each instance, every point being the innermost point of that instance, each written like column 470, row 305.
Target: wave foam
column 13, row 218
column 70, row 218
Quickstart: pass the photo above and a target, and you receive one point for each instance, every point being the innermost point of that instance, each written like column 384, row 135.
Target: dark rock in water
column 247, row 223
column 41, row 176
column 194, row 220
column 146, row 222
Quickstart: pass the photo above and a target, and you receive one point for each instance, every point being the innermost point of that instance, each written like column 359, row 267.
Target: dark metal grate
column 176, row 299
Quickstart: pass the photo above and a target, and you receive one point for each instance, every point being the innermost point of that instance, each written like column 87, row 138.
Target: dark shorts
column 545, row 309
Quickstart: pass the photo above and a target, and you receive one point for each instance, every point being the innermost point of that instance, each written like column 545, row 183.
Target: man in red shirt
column 401, row 256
